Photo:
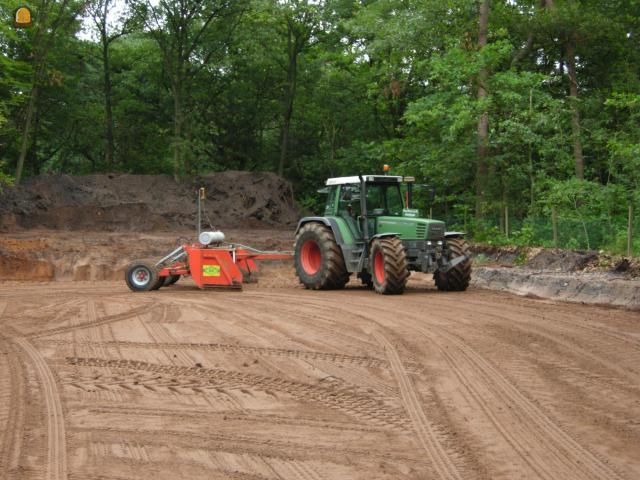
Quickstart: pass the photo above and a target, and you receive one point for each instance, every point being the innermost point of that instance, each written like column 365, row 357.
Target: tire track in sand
column 12, row 397
column 56, row 440
column 589, row 349
column 544, row 446
column 537, row 438
column 354, row 404
column 93, row 323
column 438, row 456
column 556, row 453
column 337, row 358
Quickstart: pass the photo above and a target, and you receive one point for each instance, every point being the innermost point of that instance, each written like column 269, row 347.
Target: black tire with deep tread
column 396, row 272
column 457, row 279
column 170, row 280
column 333, row 273
column 158, row 284
column 154, row 279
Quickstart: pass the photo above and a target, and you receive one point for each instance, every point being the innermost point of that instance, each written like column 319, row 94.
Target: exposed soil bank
column 80, row 256
column 143, row 203
column 589, row 288
column 51, row 255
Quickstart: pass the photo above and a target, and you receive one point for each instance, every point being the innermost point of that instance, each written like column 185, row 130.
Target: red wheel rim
column 378, row 267
column 310, row 257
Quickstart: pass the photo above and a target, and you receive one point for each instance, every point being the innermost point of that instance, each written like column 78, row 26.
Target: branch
column 523, row 52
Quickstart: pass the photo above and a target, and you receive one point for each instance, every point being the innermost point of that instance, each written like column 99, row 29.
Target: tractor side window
column 375, row 199
column 349, row 202
column 394, row 201
column 330, row 207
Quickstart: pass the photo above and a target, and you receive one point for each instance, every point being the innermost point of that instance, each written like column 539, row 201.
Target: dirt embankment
column 89, row 227
column 587, row 277
column 51, row 255
column 142, row 203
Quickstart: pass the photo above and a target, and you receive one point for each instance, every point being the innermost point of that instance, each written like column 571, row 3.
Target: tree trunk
column 26, row 131
column 483, row 120
column 178, row 166
column 108, row 108
column 32, row 154
column 292, row 74
column 570, row 57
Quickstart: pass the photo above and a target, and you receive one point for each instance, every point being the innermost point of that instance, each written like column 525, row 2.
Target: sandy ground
column 276, row 382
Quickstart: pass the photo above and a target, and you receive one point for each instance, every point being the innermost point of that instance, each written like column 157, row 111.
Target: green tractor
column 370, row 228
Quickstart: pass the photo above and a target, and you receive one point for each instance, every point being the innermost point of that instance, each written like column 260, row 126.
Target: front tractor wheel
column 318, row 258
column 142, row 276
column 457, row 279
column 388, row 264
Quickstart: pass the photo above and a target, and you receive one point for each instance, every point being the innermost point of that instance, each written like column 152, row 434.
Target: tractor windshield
column 384, row 199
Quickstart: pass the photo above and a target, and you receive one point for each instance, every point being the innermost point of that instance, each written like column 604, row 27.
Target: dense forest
column 518, row 106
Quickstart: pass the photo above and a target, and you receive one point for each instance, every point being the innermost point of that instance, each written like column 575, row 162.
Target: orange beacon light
column 22, row 17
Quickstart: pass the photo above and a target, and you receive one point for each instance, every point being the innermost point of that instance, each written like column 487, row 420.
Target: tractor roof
column 367, row 178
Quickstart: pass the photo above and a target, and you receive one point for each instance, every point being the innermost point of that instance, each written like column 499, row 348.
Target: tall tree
column 299, row 24
column 52, row 20
column 483, row 120
column 109, row 25
column 191, row 34
column 567, row 36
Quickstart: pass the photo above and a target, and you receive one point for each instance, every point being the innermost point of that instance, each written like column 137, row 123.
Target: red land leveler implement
column 211, row 263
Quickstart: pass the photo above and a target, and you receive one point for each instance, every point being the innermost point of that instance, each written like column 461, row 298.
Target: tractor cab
column 365, row 203
column 360, row 199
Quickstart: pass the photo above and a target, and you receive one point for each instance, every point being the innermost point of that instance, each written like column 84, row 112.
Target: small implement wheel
column 388, row 264
column 318, row 258
column 457, row 279
column 170, row 280
column 141, row 276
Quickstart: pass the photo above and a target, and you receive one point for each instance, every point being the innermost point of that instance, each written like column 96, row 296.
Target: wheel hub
column 378, row 267
column 310, row 257
column 140, row 276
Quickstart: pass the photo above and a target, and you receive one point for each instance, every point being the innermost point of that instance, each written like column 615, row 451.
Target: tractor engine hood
column 411, row 228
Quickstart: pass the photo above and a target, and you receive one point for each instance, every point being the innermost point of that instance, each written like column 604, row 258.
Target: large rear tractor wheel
column 142, row 276
column 318, row 258
column 457, row 279
column 388, row 263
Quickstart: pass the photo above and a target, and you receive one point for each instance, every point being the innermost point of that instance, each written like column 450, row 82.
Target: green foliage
column 382, row 81
column 5, row 178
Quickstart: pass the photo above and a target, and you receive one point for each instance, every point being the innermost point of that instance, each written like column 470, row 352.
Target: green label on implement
column 211, row 270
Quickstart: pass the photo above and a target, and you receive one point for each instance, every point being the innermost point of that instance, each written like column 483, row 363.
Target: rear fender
column 306, row 220
column 329, row 222
column 353, row 252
